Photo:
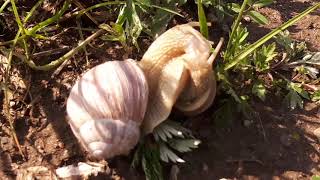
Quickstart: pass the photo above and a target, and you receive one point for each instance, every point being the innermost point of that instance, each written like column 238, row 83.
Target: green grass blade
column 202, row 20
column 32, row 11
column 166, row 9
column 100, row 5
column 49, row 21
column 237, row 22
column 267, row 37
column 16, row 14
column 4, row 5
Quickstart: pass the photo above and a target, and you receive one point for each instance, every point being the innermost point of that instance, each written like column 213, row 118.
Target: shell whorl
column 108, row 137
column 106, row 107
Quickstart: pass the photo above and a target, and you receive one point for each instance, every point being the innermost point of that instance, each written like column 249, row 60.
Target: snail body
column 179, row 74
column 106, row 107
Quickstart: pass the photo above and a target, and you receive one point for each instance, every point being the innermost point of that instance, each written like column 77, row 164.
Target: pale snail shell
column 179, row 75
column 106, row 107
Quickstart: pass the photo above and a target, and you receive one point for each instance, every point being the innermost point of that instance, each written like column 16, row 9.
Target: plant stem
column 33, row 9
column 264, row 39
column 237, row 22
column 4, row 5
column 80, row 13
column 60, row 60
column 6, row 95
column 18, row 20
column 49, row 21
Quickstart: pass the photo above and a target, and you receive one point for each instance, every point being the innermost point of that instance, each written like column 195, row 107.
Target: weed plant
column 241, row 72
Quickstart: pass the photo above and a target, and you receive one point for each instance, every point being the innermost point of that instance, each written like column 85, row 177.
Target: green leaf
column 135, row 25
column 160, row 16
column 315, row 59
column 137, row 156
column 235, row 7
column 262, row 3
column 315, row 177
column 259, row 90
column 168, row 130
column 238, row 43
column 167, row 155
column 297, row 87
column 184, row 145
column 316, row 96
column 116, row 33
column 258, row 18
column 151, row 164
column 128, row 16
column 267, row 37
column 293, row 98
column 263, row 56
column 209, row 2
column 202, row 20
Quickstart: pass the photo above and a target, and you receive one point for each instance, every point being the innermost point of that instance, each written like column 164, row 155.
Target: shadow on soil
column 279, row 144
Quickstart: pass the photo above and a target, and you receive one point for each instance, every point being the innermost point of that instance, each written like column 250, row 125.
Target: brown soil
column 278, row 145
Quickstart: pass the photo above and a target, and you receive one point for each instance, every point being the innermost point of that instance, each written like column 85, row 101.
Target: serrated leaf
column 184, row 145
column 133, row 26
column 307, row 57
column 137, row 156
column 161, row 14
column 167, row 155
column 151, row 164
column 259, row 90
column 292, row 99
column 162, row 135
column 297, row 87
column 169, row 129
column 313, row 72
column 235, row 7
column 315, row 60
column 258, row 17
column 263, row 56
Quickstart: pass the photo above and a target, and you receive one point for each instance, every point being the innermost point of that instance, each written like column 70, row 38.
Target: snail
column 106, row 107
column 112, row 104
column 180, row 74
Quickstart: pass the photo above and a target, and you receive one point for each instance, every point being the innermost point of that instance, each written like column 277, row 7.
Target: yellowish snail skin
column 179, row 74
column 110, row 104
column 106, row 107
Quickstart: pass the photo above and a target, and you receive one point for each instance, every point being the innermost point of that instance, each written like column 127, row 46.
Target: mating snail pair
column 113, row 103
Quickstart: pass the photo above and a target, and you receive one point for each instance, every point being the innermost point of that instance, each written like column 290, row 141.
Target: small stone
column 247, row 18
column 12, row 103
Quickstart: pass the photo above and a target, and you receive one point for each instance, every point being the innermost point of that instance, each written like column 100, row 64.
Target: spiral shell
column 179, row 75
column 106, row 107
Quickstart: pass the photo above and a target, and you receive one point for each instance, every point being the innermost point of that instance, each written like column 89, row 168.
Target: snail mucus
column 116, row 102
